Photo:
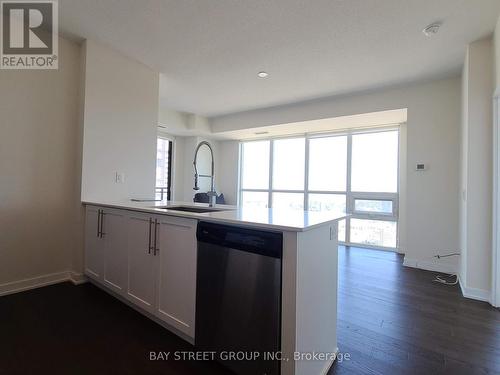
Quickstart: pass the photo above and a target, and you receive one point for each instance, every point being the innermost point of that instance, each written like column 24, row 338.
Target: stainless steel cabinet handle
column 156, row 239
column 102, row 223
column 149, row 235
column 98, row 223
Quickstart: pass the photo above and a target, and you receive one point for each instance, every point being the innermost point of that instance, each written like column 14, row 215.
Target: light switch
column 120, row 177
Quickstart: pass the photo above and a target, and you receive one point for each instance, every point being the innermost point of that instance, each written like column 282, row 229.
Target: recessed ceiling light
column 263, row 74
column 432, row 29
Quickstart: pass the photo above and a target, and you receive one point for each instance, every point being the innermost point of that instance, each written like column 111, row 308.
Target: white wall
column 120, row 126
column 40, row 212
column 172, row 120
column 228, row 170
column 496, row 41
column 178, row 169
column 182, row 123
column 476, row 168
column 189, row 148
column 464, row 130
column 496, row 256
column 433, row 132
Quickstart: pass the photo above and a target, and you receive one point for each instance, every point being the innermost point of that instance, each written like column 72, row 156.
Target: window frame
column 348, row 193
column 385, row 197
column 159, row 189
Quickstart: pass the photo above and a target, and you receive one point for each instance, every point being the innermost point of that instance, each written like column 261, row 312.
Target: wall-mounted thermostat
column 420, row 167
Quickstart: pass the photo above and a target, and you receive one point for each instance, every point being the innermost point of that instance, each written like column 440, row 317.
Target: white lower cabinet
column 94, row 244
column 177, row 273
column 105, row 260
column 142, row 262
column 148, row 259
column 113, row 225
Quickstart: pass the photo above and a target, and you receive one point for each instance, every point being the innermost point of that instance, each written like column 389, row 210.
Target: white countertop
column 266, row 218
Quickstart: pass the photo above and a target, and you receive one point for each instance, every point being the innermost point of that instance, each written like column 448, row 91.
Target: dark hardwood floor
column 392, row 320
column 73, row 330
column 395, row 320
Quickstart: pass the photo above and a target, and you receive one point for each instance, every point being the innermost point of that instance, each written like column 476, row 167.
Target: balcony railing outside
column 162, row 193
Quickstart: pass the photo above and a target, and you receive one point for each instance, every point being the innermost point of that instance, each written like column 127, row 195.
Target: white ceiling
column 210, row 51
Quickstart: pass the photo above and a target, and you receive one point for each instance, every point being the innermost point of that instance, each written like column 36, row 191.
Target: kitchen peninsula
column 148, row 254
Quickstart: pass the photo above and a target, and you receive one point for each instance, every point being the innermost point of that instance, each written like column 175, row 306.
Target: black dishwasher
column 238, row 297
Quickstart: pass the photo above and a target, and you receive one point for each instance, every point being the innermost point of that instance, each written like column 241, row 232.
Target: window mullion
column 242, row 157
column 270, row 185
column 349, row 201
column 306, row 175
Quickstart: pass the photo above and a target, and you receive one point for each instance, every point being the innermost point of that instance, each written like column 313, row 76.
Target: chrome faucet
column 212, row 195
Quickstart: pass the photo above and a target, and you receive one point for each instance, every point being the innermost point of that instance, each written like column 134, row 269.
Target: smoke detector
column 432, row 29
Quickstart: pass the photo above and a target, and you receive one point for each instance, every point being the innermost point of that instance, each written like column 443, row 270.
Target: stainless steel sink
column 198, row 210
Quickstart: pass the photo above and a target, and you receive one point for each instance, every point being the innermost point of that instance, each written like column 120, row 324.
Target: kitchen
column 267, row 201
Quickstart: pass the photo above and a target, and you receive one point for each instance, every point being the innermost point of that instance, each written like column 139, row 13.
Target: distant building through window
column 354, row 172
column 163, row 168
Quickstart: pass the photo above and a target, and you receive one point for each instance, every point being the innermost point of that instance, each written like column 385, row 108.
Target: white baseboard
column 39, row 281
column 474, row 293
column 430, row 266
column 32, row 283
column 77, row 278
column 329, row 364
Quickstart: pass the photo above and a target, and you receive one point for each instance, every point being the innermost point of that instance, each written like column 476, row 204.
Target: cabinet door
column 114, row 228
column 94, row 249
column 177, row 273
column 142, row 272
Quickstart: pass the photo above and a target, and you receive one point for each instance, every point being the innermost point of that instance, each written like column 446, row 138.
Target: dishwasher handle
column 244, row 239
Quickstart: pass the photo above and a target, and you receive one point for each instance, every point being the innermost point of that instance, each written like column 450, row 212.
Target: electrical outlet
column 333, row 233
column 421, row 167
column 120, row 177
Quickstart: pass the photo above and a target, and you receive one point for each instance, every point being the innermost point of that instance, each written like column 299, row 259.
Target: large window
column 163, row 168
column 354, row 172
